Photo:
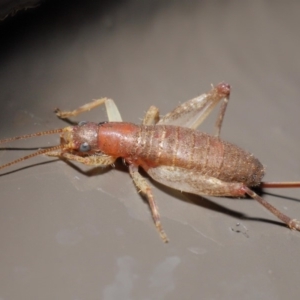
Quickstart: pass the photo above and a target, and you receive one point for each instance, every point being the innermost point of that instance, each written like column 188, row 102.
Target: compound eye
column 84, row 147
column 81, row 123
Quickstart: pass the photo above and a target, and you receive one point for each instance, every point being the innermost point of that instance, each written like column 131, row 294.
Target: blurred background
column 71, row 232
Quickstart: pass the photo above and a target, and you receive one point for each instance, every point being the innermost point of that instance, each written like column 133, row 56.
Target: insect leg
column 151, row 116
column 193, row 112
column 144, row 187
column 92, row 160
column 190, row 181
column 291, row 223
column 111, row 109
column 221, row 115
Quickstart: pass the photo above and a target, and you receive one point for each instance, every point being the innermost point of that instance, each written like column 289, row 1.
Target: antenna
column 39, row 152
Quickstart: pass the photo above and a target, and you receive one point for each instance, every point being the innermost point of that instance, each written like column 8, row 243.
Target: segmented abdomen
column 191, row 149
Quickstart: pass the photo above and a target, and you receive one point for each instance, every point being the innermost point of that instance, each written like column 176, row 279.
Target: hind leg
column 195, row 183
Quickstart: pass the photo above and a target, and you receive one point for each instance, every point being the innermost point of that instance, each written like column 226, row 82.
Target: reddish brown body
column 150, row 146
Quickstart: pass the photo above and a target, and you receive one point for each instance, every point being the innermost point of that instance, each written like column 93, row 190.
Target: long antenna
column 42, row 151
column 26, row 136
column 39, row 152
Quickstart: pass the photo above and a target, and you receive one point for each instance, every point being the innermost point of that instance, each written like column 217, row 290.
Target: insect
column 169, row 149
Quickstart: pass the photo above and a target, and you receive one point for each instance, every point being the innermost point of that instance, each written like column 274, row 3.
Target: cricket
column 168, row 148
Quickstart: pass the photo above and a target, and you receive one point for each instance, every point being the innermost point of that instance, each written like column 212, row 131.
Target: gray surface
column 66, row 235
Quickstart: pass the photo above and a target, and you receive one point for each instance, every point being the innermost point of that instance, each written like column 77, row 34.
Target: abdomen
column 191, row 149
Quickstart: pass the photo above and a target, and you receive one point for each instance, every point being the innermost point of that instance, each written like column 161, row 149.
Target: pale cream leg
column 151, row 116
column 192, row 113
column 92, row 160
column 144, row 187
column 111, row 109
